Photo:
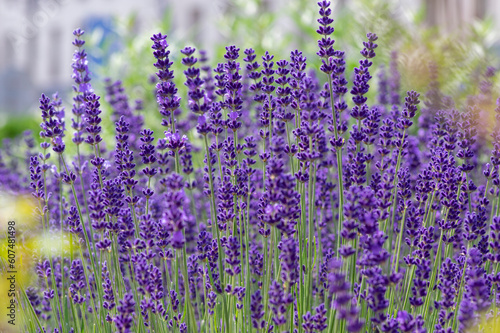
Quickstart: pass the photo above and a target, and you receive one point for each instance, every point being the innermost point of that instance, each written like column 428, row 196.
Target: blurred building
column 454, row 14
column 36, row 36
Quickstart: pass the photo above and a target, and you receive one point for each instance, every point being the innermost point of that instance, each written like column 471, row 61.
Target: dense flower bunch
column 277, row 199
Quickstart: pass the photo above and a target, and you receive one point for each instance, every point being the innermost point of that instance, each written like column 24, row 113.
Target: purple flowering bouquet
column 278, row 198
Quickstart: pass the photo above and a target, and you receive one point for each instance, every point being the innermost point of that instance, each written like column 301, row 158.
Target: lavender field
column 266, row 195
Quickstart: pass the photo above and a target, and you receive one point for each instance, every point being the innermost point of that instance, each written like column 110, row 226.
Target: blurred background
column 36, row 51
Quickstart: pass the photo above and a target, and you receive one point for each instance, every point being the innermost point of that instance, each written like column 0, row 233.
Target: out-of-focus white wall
column 36, row 36
column 455, row 14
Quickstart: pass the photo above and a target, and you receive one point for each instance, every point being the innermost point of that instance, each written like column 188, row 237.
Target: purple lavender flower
column 342, row 300
column 174, row 216
column 495, row 240
column 109, row 297
column 77, row 275
column 289, row 261
column 74, row 221
column 166, row 91
column 278, row 302
column 362, row 76
column 320, row 318
column 326, row 51
column 37, row 184
column 52, row 126
column 148, row 158
column 125, row 316
column 81, row 88
column 233, row 256
column 199, row 102
column 257, row 311
column 93, row 119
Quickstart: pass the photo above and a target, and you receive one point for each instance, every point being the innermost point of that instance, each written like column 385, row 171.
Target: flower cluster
column 297, row 205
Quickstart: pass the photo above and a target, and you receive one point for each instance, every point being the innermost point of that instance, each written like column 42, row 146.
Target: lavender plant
column 278, row 200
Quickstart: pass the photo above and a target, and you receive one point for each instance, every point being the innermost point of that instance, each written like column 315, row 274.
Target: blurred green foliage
column 13, row 125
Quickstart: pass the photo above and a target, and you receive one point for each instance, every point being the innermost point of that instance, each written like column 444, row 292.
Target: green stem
column 215, row 224
column 399, row 239
column 394, row 195
column 408, row 287
column 310, row 237
column 460, row 291
column 433, row 276
column 338, row 152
